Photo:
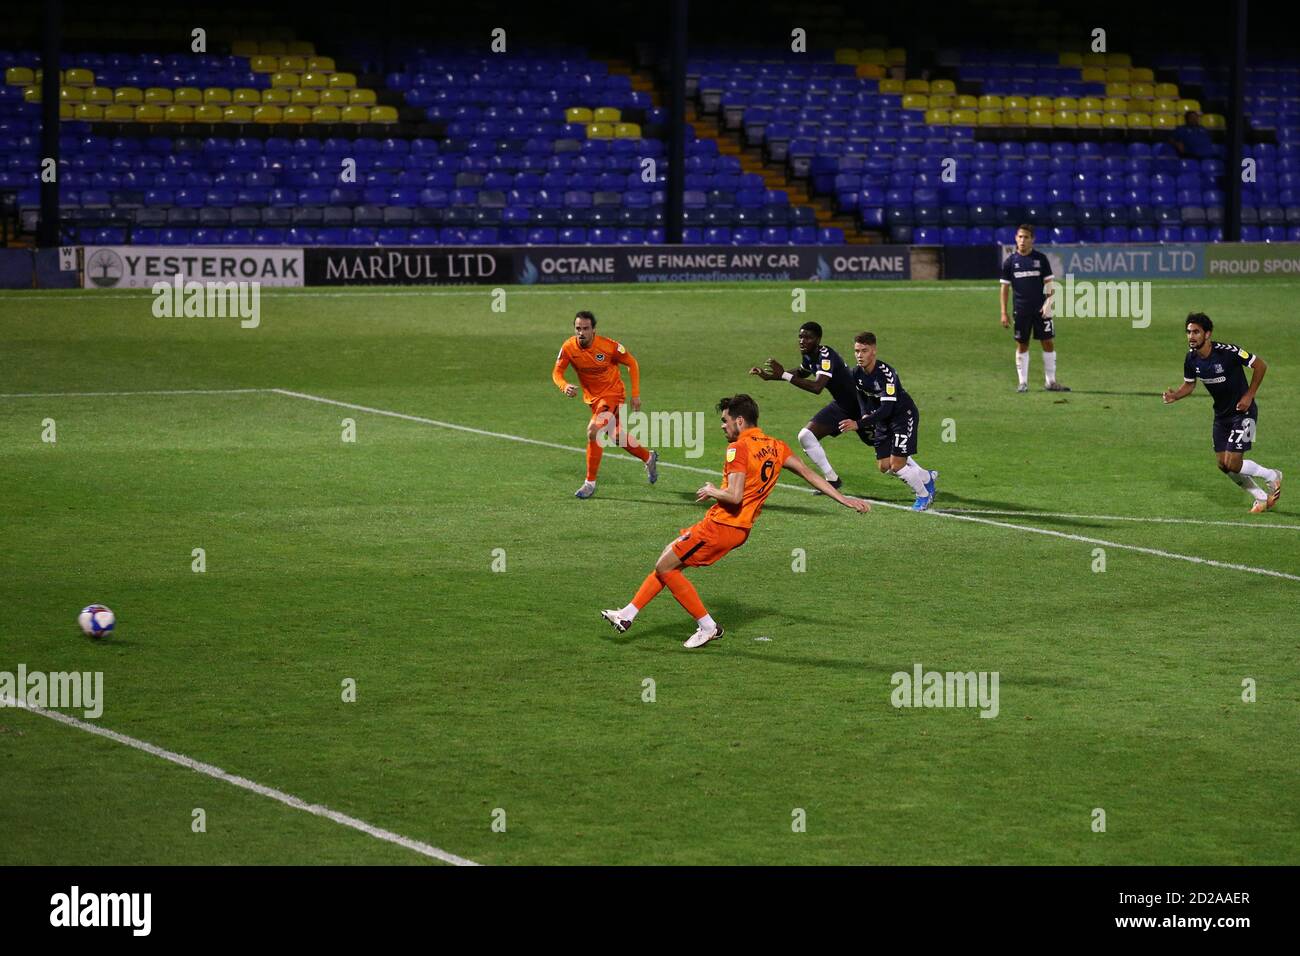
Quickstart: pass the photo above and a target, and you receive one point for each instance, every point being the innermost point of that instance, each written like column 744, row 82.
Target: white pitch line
column 217, row 773
column 161, row 391
column 887, row 504
column 1048, row 514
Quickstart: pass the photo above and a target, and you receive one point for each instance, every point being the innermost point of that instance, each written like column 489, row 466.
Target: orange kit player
column 596, row 360
column 753, row 462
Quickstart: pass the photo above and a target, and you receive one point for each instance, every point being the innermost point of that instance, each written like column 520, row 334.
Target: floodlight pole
column 47, row 228
column 1236, row 122
column 676, row 122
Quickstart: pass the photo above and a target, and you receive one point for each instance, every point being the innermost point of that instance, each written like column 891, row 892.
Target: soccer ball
column 96, row 620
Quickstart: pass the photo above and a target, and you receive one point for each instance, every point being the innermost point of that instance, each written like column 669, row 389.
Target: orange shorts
column 607, row 404
column 706, row 541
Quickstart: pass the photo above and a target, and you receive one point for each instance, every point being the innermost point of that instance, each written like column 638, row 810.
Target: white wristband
column 788, row 376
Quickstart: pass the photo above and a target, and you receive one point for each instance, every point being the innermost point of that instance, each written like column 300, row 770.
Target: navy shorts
column 831, row 416
column 1236, row 432
column 1040, row 327
column 898, row 436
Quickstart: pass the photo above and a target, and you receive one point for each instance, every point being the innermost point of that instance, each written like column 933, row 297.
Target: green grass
column 480, row 690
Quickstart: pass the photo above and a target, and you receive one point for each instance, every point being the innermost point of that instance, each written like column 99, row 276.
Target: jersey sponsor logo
column 1215, row 381
column 1027, row 273
column 826, row 365
column 731, row 455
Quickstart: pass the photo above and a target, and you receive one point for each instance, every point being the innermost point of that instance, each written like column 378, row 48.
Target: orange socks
column 685, row 593
column 594, row 453
column 648, row 589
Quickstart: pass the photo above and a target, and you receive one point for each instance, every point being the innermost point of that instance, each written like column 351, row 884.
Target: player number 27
column 1245, row 435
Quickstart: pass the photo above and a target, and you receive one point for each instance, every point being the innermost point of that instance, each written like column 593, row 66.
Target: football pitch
column 438, row 569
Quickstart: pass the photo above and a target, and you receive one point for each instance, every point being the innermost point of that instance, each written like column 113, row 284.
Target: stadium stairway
column 751, row 160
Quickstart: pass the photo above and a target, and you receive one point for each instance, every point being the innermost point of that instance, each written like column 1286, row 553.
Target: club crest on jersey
column 600, row 356
column 731, row 454
column 1218, row 370
column 826, row 365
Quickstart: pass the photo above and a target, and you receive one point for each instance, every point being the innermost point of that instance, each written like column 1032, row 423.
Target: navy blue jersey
column 1026, row 275
column 826, row 363
column 1221, row 374
column 880, row 392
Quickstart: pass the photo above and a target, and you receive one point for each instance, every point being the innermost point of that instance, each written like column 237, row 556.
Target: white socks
column 1248, row 484
column 629, row 613
column 1254, row 470
column 915, row 476
column 1049, row 366
column 707, row 622
column 818, row 454
column 1022, row 367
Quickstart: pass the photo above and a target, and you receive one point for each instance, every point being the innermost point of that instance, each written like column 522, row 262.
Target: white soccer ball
column 96, row 620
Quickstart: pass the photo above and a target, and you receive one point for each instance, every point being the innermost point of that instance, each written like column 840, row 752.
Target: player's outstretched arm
column 1171, row 395
column 795, row 464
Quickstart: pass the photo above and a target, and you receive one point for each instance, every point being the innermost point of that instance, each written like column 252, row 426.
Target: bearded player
column 596, row 360
column 753, row 462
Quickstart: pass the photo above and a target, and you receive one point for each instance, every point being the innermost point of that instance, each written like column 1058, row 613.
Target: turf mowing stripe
column 1048, row 514
column 1156, row 552
column 160, row 391
column 217, row 773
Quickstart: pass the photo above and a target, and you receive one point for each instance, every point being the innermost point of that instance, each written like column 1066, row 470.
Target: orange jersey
column 759, row 458
column 597, row 368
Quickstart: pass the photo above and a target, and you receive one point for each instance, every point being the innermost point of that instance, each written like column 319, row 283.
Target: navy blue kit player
column 1219, row 366
column 889, row 420
column 1028, row 276
column 820, row 368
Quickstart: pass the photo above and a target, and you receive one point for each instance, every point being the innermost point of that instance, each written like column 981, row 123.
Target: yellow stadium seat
column 1093, row 103
column 191, row 95
column 845, row 55
column 128, row 94
column 1014, row 103
column 207, row 113
column 990, row 117
column 320, row 64
column 915, row 101
column 78, row 76
column 1142, row 91
column 32, row 94
column 1040, row 118
column 1040, row 103
column 274, row 48
column 1163, row 105
column 1114, row 120
column 600, row 131
column 1065, row 103
column 383, row 114
column 1139, row 121
column 964, row 101
column 1065, row 118
column 1117, row 74
column 1185, row 106
column 296, row 114
column 237, row 114
column 217, row 96
column 1213, row 121
column 91, row 112
column 268, row 114
column 72, row 94
column 99, row 94
column 606, row 114
column 149, row 113
column 1115, row 104
column 1165, row 120
column 19, row 76
column 965, row 118
column 355, row 114
column 334, row 97
column 916, row 86
column 246, row 48
column 1142, row 75
column 578, row 114
column 293, row 64
column 286, row 80
column 1094, row 74
column 1118, row 89
column 67, row 111
column 891, row 86
column 627, row 131
column 264, row 64
column 1094, row 59
column 342, row 81
column 938, row 117
column 943, row 86
column 275, row 96
column 179, row 113
column 895, row 56
column 119, row 113
column 941, row 101
column 1015, row 117
column 305, row 97
column 159, row 95
column 1070, row 59
column 1167, row 91
column 314, row 81
column 873, row 55
column 1090, row 119
column 362, row 97
column 300, row 48
column 247, row 96
column 325, row 114
column 1118, row 59
column 990, row 102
